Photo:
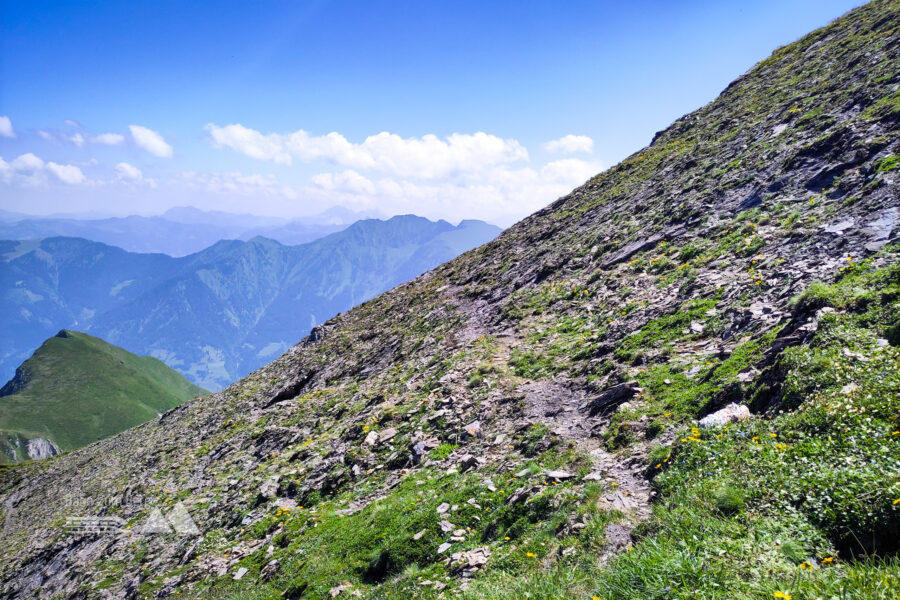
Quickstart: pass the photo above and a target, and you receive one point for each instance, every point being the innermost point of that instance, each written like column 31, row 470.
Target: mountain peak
column 77, row 388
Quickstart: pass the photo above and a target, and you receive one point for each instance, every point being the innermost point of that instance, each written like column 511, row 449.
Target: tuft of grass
column 887, row 164
column 728, row 499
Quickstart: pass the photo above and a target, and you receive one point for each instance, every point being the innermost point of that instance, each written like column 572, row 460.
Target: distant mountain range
column 76, row 389
column 177, row 232
column 218, row 314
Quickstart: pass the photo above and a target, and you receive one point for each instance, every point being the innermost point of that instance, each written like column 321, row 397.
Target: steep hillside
column 218, row 314
column 521, row 421
column 76, row 389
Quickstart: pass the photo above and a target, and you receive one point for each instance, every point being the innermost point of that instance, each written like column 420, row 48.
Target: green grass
column 802, row 502
column 888, row 163
column 81, row 389
column 661, row 332
column 375, row 550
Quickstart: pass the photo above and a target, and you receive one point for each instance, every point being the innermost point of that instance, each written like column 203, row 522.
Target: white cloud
column 233, row 182
column 66, row 173
column 109, row 139
column 129, row 172
column 461, row 176
column 79, row 139
column 150, row 141
column 569, row 170
column 501, row 194
column 73, row 123
column 427, row 157
column 27, row 162
column 130, row 175
column 30, row 170
column 249, row 142
column 6, row 128
column 570, row 144
column 347, row 182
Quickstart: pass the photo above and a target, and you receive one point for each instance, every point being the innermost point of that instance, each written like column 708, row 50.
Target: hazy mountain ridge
column 76, row 389
column 217, row 314
column 522, row 421
column 178, row 232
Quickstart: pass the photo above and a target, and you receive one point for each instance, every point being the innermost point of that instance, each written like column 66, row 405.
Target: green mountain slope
column 527, row 420
column 76, row 389
column 216, row 315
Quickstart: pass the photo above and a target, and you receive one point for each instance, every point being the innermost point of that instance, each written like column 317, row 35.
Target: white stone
column 730, row 414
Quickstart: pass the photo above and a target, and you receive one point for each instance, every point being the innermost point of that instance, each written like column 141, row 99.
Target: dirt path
column 558, row 406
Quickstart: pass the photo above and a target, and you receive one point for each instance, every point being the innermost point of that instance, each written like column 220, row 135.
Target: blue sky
column 445, row 109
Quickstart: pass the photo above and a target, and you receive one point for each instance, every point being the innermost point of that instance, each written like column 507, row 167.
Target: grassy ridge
column 79, row 389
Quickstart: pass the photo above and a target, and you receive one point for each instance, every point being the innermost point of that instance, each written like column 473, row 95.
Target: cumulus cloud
column 427, row 157
column 27, row 162
column 130, row 175
column 347, row 182
column 459, row 176
column 129, row 172
column 570, row 144
column 30, row 171
column 150, row 141
column 109, row 139
column 569, row 170
column 6, row 128
column 66, row 173
column 250, row 142
column 76, row 139
column 502, row 194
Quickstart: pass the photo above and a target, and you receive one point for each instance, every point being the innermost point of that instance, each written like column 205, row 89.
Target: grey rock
column 39, row 448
